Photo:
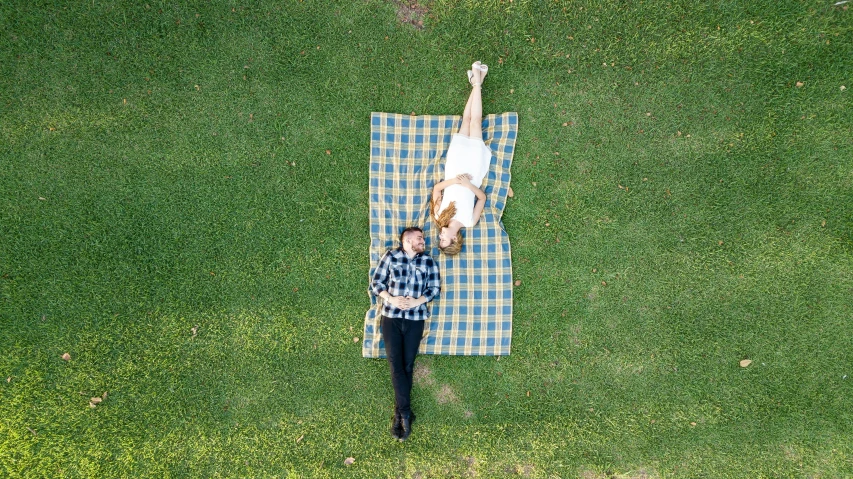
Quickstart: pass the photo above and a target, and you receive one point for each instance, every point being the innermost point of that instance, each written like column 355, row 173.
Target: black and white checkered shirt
column 403, row 276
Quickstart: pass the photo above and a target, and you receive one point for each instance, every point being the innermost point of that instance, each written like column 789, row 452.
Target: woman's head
column 449, row 243
column 449, row 238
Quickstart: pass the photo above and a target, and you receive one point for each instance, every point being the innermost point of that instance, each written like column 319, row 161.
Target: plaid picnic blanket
column 473, row 314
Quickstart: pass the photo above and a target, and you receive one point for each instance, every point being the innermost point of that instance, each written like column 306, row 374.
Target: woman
column 458, row 201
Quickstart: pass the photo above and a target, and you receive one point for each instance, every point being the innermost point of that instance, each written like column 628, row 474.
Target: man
column 406, row 279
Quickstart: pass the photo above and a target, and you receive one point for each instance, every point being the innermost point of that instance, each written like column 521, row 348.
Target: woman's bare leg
column 472, row 117
column 475, row 104
column 466, row 117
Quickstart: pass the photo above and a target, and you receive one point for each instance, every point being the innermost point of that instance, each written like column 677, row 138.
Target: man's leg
column 393, row 336
column 412, row 333
column 402, row 340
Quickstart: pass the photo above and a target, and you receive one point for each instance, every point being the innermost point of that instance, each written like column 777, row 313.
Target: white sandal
column 471, row 78
column 483, row 68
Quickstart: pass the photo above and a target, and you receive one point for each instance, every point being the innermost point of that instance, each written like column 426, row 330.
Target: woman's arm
column 465, row 180
column 481, row 199
column 437, row 191
column 457, row 180
column 477, row 191
column 440, row 186
column 478, row 207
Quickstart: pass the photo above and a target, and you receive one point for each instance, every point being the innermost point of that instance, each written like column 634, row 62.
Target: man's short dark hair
column 406, row 231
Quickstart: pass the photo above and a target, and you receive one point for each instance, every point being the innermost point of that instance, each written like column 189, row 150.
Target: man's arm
column 379, row 284
column 432, row 286
column 379, row 281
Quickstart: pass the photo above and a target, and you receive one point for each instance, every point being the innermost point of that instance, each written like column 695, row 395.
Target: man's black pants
column 402, row 339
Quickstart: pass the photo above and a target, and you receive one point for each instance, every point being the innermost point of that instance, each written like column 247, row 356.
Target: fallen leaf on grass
column 348, row 461
column 517, row 282
column 96, row 400
column 745, row 362
column 194, row 330
column 299, row 439
column 692, row 423
column 328, row 152
column 31, row 430
column 509, row 192
column 842, row 88
column 66, row 357
column 355, row 339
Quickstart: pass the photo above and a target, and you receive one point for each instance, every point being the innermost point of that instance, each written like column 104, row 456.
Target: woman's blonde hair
column 443, row 221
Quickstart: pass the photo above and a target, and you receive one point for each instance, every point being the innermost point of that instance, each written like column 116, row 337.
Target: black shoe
column 396, row 426
column 406, row 425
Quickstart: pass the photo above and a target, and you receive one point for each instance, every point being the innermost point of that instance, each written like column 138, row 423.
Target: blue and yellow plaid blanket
column 473, row 315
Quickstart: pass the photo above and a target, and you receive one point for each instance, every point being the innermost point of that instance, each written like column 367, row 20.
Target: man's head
column 412, row 240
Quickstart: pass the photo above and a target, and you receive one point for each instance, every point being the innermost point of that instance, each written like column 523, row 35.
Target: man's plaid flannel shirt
column 402, row 276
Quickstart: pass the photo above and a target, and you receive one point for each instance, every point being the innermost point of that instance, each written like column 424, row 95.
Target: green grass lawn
column 183, row 210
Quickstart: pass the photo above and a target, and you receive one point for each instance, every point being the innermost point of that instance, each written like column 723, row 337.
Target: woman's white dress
column 464, row 155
